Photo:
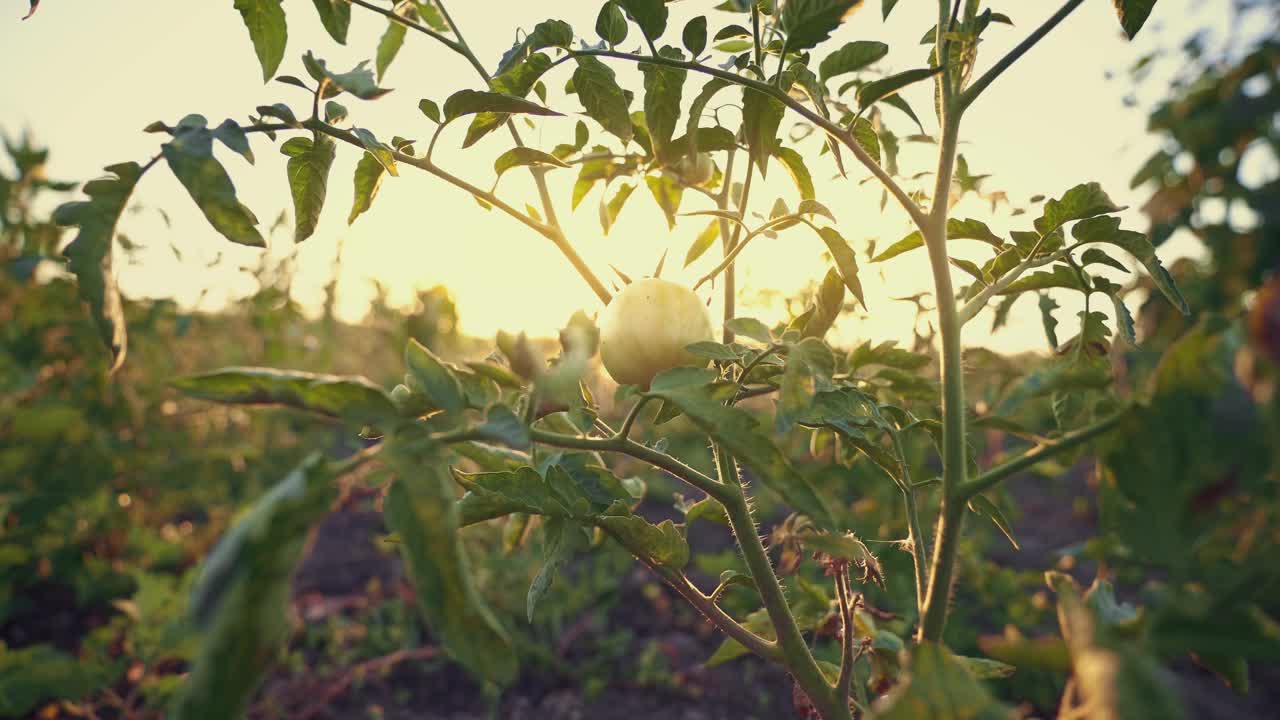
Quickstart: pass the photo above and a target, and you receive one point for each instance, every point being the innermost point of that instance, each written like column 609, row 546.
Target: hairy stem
column 727, row 240
column 791, row 641
column 995, row 475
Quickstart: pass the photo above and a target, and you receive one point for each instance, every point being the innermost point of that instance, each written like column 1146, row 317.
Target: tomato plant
column 516, row 434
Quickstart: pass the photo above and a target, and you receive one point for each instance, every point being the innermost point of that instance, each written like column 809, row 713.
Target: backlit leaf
column 267, row 30
column 308, row 169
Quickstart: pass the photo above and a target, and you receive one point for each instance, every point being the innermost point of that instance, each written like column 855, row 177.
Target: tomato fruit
column 697, row 170
column 646, row 327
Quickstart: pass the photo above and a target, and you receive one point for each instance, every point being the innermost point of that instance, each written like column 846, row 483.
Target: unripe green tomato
column 697, row 170
column 646, row 327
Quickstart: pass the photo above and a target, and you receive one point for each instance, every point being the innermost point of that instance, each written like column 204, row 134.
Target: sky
column 85, row 78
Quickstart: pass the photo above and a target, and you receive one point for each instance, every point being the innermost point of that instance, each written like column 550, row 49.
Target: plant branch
column 393, row 17
column 791, row 640
column 968, row 96
column 919, row 542
column 632, row 414
column 1044, row 451
column 848, row 635
column 705, row 604
column 738, row 247
column 638, row 451
column 831, row 128
column 979, row 301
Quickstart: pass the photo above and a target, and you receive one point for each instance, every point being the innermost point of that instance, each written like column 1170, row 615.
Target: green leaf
column 810, row 22
column 611, row 26
column 880, row 89
column 939, row 686
column 308, row 168
column 609, row 211
column 1133, row 14
column 420, row 507
column 434, row 378
column 190, row 157
column 470, row 102
column 887, row 354
column 886, row 7
column 358, row 81
column 502, row 426
column 1097, row 256
column 703, row 242
column 267, row 30
column 546, row 34
column 563, row 539
column 1107, row 230
column 852, row 57
column 1082, row 201
column 430, row 109
column 793, row 161
column 347, row 397
column 334, row 113
column 986, row 668
column 865, row 134
column 661, row 544
column 1047, row 306
column 388, row 47
column 714, row 351
column 650, row 15
column 982, row 506
column 846, row 263
column 1061, row 276
column 241, row 598
column 30, row 676
column 602, row 98
column 809, row 363
column 663, row 90
column 970, row 229
column 750, row 327
column 761, row 116
column 738, row 432
column 667, row 191
column 525, row 156
column 695, row 36
column 335, row 15
column 907, row 244
column 89, row 254
column 367, row 181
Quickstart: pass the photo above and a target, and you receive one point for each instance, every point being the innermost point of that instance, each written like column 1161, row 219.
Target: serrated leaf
column 602, row 98
column 1082, row 201
column 663, row 90
column 562, row 540
column 268, row 31
column 420, row 507
column 308, row 170
column 1047, row 306
column 667, row 192
column 852, row 57
column 350, row 398
column 1062, row 276
column 358, row 81
column 89, row 253
column 434, row 378
column 660, row 544
column 1107, row 230
column 546, row 34
column 983, row 507
column 794, row 163
column 190, row 156
column 865, row 135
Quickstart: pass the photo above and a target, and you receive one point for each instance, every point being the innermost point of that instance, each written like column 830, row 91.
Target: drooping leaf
column 761, row 116
column 793, row 161
column 242, row 595
column 267, row 30
column 89, row 254
column 852, row 57
column 663, row 90
column 420, row 507
column 367, row 181
column 983, row 506
column 713, row 86
column 865, row 135
column 886, row 7
column 667, row 192
column 389, row 46
column 562, row 539
column 358, row 81
column 308, row 168
column 434, row 378
column 190, row 156
column 702, row 242
column 810, row 22
column 1106, row 229
column 1133, row 14
column 602, row 98
column 1047, row 306
column 335, row 15
column 546, row 34
column 350, row 398
column 846, row 262
column 609, row 211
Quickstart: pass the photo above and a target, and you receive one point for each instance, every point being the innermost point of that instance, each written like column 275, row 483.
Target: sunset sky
column 86, row 77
